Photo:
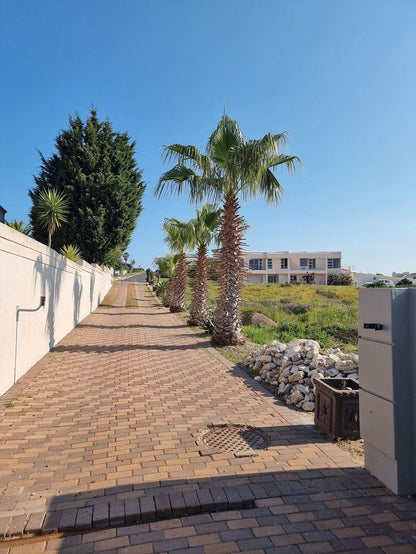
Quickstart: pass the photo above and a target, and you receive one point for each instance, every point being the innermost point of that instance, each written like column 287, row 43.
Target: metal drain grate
column 235, row 438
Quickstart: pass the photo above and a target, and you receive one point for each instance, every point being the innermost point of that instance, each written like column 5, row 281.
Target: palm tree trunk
column 178, row 300
column 50, row 237
column 169, row 291
column 198, row 311
column 228, row 328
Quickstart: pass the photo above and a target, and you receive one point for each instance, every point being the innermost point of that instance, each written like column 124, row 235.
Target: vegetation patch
column 131, row 298
column 111, row 297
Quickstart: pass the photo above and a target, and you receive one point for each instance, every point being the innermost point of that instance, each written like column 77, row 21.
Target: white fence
column 29, row 270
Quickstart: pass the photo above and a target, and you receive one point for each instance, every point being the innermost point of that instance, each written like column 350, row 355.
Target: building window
column 269, row 263
column 256, row 264
column 334, row 263
column 272, row 278
column 308, row 263
column 283, row 263
column 293, row 279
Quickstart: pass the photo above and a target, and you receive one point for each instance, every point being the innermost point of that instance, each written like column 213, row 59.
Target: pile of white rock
column 292, row 367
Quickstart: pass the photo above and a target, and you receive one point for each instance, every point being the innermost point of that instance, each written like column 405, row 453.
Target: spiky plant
column 204, row 228
column 178, row 237
column 232, row 168
column 51, row 209
column 71, row 252
column 20, row 226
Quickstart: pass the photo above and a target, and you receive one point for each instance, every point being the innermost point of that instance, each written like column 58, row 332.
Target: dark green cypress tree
column 96, row 170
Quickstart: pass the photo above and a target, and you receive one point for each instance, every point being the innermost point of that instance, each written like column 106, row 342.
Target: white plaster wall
column 29, row 270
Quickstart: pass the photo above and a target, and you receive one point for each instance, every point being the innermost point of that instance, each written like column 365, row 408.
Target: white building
column 291, row 267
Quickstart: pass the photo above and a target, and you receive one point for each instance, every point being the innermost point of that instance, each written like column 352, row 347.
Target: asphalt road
column 138, row 278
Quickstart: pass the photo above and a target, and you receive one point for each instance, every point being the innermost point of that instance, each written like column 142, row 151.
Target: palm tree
column 20, row 226
column 204, row 229
column 232, row 168
column 178, row 237
column 51, row 210
column 166, row 266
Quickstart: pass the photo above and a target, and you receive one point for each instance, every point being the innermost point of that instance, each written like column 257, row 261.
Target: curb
column 143, row 509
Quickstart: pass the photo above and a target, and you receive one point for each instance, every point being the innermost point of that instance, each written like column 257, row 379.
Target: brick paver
column 105, row 431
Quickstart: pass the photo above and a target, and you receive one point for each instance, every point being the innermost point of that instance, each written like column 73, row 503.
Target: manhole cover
column 235, row 438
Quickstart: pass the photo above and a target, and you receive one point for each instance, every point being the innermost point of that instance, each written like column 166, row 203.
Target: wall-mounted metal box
column 387, row 346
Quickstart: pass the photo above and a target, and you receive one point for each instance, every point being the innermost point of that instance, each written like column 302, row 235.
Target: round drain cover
column 235, row 438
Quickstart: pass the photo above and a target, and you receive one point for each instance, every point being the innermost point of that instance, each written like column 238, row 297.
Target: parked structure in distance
column 291, row 267
column 3, row 213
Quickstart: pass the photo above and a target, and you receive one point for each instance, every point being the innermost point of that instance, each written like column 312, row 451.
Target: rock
column 318, row 375
column 346, row 365
column 284, row 388
column 317, row 361
column 308, row 406
column 332, row 372
column 264, row 359
column 296, row 377
column 301, row 388
column 257, row 378
column 353, row 376
column 269, row 366
column 294, row 397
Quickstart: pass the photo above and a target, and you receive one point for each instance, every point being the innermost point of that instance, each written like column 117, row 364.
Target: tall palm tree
column 178, row 237
column 204, row 229
column 51, row 210
column 232, row 168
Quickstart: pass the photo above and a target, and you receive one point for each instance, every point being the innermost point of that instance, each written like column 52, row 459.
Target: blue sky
column 338, row 76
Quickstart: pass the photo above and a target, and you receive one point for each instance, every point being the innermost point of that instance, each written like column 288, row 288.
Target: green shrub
column 209, row 322
column 160, row 288
column 376, row 285
column 296, row 309
column 327, row 294
column 404, row 283
column 340, row 279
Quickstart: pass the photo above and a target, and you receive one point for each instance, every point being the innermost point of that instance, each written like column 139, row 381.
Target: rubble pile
column 291, row 368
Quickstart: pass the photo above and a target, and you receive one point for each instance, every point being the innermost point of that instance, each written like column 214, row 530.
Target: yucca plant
column 232, row 168
column 71, row 252
column 51, row 210
column 20, row 226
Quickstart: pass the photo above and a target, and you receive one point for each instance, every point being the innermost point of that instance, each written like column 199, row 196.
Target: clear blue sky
column 339, row 76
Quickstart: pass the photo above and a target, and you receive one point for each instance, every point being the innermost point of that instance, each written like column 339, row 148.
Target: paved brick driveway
column 112, row 416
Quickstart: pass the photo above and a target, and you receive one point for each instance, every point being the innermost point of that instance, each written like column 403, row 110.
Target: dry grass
column 131, row 297
column 111, row 297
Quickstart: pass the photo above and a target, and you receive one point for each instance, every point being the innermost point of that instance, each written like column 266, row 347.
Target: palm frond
column 226, row 137
column 186, row 154
column 179, row 234
column 177, row 180
column 290, row 162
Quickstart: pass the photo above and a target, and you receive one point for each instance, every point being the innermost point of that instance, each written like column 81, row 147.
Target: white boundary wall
column 29, row 270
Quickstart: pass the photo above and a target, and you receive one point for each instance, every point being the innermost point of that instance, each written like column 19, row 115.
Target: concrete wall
column 29, row 270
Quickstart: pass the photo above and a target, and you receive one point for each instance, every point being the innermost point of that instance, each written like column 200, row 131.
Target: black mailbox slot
column 375, row 326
